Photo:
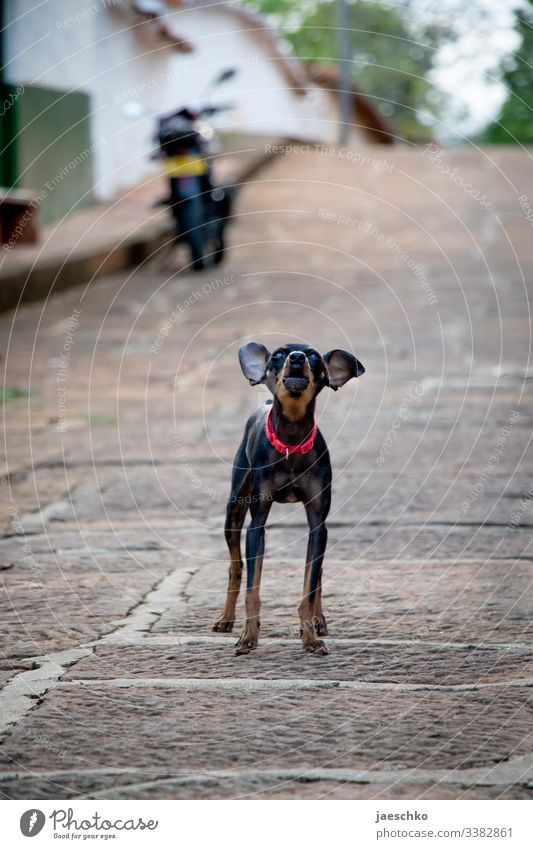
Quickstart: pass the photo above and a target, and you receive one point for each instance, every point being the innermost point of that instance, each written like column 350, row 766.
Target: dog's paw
column 317, row 647
column 245, row 646
column 321, row 628
column 223, row 626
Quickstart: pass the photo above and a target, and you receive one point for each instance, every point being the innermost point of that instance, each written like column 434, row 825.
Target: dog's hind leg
column 235, row 516
column 255, row 549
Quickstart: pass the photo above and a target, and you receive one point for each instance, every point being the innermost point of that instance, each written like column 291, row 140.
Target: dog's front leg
column 312, row 622
column 255, row 548
column 319, row 619
column 235, row 515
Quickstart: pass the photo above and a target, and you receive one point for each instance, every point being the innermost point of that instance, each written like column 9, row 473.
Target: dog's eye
column 277, row 359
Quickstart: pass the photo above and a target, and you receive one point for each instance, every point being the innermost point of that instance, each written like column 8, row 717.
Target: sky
column 467, row 69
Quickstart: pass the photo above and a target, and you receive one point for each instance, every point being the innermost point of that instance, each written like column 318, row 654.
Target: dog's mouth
column 295, row 385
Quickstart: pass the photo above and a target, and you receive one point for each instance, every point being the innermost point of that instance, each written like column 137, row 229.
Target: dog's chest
column 288, row 487
column 287, row 495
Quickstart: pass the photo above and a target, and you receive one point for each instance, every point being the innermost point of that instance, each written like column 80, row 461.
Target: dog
column 282, row 458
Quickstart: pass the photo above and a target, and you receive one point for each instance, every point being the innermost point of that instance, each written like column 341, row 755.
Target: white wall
column 98, row 55
column 73, row 44
column 266, row 104
column 330, row 124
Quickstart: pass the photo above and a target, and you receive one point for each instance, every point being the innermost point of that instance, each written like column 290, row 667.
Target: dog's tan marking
column 249, row 638
column 308, row 622
column 293, row 408
column 319, row 619
column 226, row 619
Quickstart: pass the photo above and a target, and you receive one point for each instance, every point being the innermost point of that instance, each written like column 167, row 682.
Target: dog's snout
column 296, row 358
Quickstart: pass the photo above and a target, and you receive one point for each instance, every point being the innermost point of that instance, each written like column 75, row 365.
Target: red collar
column 302, row 448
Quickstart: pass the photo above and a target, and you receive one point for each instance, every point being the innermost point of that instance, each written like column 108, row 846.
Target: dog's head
column 296, row 373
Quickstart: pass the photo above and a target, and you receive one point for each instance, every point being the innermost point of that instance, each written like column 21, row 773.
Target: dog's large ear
column 253, row 358
column 342, row 366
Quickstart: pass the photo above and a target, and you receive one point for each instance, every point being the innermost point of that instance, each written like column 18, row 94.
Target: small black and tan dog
column 283, row 457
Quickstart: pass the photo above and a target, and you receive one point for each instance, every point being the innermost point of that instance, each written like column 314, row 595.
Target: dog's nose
column 296, row 358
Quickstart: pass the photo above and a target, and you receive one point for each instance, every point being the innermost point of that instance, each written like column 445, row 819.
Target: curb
column 36, row 281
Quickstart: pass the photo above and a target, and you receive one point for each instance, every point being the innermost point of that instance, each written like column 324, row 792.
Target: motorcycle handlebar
column 212, row 110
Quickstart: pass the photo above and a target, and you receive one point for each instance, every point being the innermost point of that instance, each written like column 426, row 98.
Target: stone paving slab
column 261, row 789
column 56, row 604
column 198, row 492
column 249, row 788
column 404, row 541
column 369, row 540
column 404, row 664
column 9, row 668
column 200, row 730
column 70, row 785
column 149, row 559
column 123, row 511
column 96, row 542
column 461, row 601
column 446, row 429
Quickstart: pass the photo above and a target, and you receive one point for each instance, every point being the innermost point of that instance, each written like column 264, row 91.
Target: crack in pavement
column 144, row 615
column 19, row 695
column 23, row 693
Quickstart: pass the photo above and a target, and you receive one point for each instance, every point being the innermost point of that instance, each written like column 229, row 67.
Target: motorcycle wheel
column 191, row 230
column 220, row 246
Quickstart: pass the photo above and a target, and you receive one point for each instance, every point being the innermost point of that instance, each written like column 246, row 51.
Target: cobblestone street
column 126, row 406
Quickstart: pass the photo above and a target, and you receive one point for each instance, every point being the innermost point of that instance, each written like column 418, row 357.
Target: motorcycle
column 200, row 208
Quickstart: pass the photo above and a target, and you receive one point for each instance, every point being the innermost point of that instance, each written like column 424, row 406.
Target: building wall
column 357, row 136
column 54, row 151
column 102, row 51
column 265, row 102
column 96, row 55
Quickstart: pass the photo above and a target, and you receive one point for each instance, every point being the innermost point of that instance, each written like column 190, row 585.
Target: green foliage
column 391, row 56
column 8, row 394
column 95, row 421
column 515, row 122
